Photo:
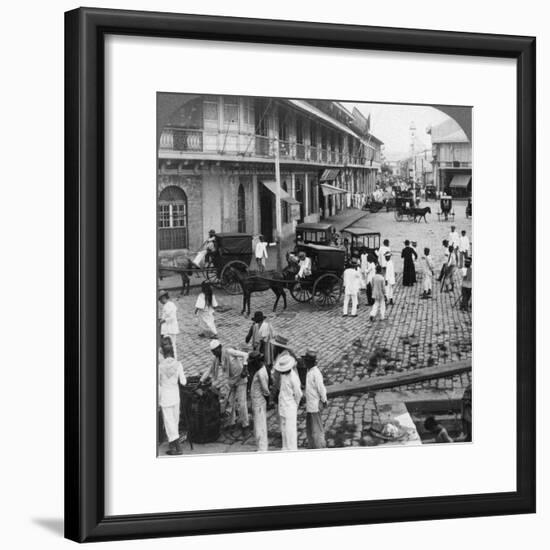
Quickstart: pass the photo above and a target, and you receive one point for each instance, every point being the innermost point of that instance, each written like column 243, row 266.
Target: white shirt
column 380, row 253
column 259, row 389
column 352, row 280
column 201, row 302
column 464, row 243
column 261, row 250
column 315, row 390
column 454, row 238
column 170, row 373
column 305, row 267
column 170, row 317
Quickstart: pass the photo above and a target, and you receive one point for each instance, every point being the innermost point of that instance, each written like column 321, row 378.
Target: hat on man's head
column 387, row 255
column 407, row 242
column 214, row 344
column 310, row 352
column 301, row 254
column 284, row 363
column 280, row 341
column 163, row 293
column 258, row 317
column 354, row 261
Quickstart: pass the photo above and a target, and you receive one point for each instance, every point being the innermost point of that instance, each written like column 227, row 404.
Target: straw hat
column 163, row 293
column 284, row 363
column 280, row 341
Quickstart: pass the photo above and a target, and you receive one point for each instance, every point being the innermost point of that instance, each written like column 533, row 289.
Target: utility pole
column 278, row 212
column 412, row 130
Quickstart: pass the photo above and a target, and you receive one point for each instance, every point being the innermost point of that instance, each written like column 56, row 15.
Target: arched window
column 173, row 219
column 241, row 210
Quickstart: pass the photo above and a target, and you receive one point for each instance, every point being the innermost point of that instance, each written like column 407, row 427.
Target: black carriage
column 404, row 207
column 232, row 251
column 314, row 233
column 324, row 285
column 360, row 238
column 446, row 208
column 431, row 192
column 469, row 208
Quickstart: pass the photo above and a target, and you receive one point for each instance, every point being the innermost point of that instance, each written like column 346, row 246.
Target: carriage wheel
column 301, row 291
column 398, row 215
column 327, row 290
column 228, row 280
column 410, row 216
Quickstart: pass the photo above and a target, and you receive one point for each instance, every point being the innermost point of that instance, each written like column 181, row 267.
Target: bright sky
column 390, row 123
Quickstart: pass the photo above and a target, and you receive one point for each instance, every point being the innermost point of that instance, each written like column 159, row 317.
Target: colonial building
column 452, row 159
column 217, row 160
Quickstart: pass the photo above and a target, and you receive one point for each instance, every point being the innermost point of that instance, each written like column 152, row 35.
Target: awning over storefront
column 329, row 174
column 272, row 186
column 460, row 180
column 331, row 189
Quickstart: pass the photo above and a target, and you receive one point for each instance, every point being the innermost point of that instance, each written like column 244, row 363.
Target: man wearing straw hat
column 316, row 393
column 290, row 395
column 232, row 362
column 169, row 320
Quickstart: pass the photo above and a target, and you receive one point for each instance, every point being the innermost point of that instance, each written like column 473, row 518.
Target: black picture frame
column 85, row 29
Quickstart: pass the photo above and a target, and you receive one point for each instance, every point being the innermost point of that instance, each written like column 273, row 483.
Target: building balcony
column 188, row 143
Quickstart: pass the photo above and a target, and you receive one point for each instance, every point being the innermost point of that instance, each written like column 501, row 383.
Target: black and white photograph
column 315, row 266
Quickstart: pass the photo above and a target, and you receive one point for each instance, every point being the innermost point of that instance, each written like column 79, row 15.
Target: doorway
column 266, row 213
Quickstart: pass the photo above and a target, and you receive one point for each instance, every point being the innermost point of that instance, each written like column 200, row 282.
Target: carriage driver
column 304, row 263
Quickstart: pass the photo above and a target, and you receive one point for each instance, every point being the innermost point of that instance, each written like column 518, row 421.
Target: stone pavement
column 416, row 333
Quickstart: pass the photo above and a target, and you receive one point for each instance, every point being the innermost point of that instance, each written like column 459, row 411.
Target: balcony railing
column 284, row 148
column 262, row 146
column 181, row 139
column 186, row 140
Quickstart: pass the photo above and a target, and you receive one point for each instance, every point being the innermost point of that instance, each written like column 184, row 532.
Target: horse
column 421, row 213
column 254, row 282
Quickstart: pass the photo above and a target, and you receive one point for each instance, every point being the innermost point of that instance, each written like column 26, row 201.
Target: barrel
column 200, row 413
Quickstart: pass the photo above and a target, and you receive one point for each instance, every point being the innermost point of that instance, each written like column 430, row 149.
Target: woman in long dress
column 409, row 273
column 204, row 309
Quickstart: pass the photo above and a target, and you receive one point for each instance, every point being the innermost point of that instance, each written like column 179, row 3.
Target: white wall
column 31, row 233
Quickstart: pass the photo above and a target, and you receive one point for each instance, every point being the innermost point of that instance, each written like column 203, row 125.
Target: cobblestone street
column 416, row 333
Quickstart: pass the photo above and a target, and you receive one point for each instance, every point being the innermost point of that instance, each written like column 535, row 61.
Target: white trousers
column 389, row 292
column 171, row 417
column 235, row 404
column 378, row 304
column 260, row 425
column 427, row 282
column 353, row 298
column 289, row 431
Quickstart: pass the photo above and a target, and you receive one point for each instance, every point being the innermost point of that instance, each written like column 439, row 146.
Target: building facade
column 217, row 159
column 452, row 159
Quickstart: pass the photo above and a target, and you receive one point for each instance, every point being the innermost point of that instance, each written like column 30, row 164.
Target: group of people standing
column 267, row 375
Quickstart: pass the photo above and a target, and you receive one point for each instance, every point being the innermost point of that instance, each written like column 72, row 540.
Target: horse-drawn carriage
column 404, row 206
column 446, row 208
column 232, row 251
column 324, row 285
column 360, row 238
column 314, row 233
column 431, row 192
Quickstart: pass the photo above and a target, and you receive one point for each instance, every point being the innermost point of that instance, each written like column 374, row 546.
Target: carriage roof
column 360, row 231
column 314, row 226
column 235, row 243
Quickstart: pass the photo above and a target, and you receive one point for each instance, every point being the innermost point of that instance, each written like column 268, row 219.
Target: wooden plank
column 400, row 379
